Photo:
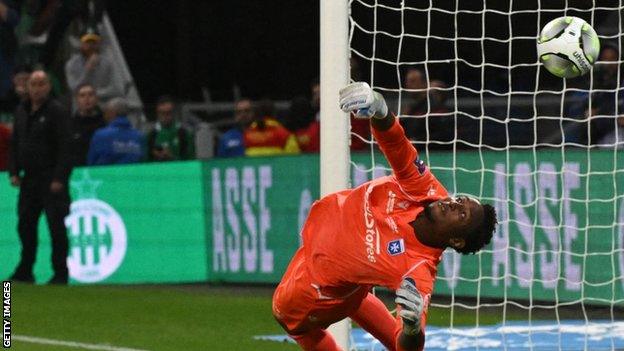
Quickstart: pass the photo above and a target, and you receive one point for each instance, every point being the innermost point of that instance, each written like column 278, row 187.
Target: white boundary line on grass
column 79, row 345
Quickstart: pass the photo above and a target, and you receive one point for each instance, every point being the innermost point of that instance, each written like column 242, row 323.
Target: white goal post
column 335, row 161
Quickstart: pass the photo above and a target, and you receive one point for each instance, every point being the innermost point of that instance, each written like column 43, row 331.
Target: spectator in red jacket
column 301, row 121
column 5, row 138
column 265, row 136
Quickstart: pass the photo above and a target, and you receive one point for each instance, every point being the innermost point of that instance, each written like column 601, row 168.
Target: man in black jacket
column 40, row 164
column 87, row 119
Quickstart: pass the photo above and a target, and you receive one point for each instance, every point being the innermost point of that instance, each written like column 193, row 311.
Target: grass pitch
column 147, row 318
column 166, row 317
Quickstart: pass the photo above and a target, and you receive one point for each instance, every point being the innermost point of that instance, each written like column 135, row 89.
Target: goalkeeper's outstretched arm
column 384, row 123
column 361, row 100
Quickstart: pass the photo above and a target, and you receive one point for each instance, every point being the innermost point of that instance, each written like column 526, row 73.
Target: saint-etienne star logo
column 396, row 247
column 97, row 233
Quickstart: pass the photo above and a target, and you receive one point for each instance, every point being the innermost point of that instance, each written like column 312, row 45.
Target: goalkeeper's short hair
column 481, row 236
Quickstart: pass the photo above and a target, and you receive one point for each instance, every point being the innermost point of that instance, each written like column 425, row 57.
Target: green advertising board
column 128, row 224
column 559, row 238
column 560, row 235
column 256, row 207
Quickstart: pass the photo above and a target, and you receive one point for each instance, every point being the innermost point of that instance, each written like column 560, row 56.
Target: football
column 568, row 47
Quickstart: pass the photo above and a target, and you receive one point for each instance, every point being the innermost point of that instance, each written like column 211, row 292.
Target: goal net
column 464, row 78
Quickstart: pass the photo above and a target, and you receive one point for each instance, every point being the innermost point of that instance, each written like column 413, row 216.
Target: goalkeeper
column 388, row 232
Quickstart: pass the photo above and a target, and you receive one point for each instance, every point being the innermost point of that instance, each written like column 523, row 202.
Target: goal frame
column 334, row 145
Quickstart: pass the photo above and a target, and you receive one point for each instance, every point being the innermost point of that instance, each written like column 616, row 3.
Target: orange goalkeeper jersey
column 363, row 236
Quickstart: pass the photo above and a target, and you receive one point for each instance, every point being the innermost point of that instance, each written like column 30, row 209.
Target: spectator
column 40, row 164
column 415, row 102
column 89, row 67
column 432, row 127
column 425, row 116
column 87, row 12
column 615, row 138
column 265, row 136
column 231, row 143
column 606, row 105
column 303, row 124
column 87, row 119
column 5, row 138
column 9, row 18
column 119, row 142
column 169, row 140
column 17, row 95
column 439, row 117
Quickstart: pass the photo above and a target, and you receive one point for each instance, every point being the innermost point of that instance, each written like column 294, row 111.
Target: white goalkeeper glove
column 360, row 99
column 412, row 306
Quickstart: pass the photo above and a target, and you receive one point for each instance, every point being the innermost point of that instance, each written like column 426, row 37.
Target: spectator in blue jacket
column 118, row 142
column 231, row 142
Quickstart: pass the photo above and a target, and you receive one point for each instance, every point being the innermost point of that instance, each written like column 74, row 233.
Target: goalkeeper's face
column 454, row 217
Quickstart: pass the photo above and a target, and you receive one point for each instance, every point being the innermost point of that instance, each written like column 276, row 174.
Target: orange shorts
column 301, row 305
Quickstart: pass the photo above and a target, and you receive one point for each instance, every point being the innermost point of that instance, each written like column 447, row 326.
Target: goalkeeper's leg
column 316, row 340
column 297, row 308
column 374, row 317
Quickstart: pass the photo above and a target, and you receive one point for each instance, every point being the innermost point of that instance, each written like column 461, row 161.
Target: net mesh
column 466, row 83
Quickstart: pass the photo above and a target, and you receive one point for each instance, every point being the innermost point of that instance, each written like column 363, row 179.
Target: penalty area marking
column 77, row 345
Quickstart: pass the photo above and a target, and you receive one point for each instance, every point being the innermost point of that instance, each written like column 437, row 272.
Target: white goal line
column 72, row 344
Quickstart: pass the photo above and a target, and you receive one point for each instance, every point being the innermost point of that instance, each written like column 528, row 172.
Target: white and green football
column 568, row 47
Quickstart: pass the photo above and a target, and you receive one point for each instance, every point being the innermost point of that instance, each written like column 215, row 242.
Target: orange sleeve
column 411, row 172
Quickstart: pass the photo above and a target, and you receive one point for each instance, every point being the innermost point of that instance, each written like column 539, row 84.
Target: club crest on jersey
column 396, row 247
column 420, row 164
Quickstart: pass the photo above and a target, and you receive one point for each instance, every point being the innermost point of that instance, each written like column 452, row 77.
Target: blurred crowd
column 51, row 54
column 598, row 119
column 259, row 131
column 36, row 63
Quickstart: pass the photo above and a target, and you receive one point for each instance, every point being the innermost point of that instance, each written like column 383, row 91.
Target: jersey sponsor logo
column 420, row 164
column 391, row 200
column 371, row 238
column 396, row 247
